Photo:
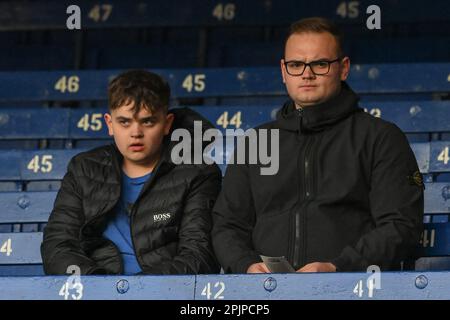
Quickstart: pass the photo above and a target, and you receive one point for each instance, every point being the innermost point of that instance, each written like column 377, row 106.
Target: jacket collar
column 320, row 116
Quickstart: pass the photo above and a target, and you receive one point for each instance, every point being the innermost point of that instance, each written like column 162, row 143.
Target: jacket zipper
column 300, row 215
column 307, row 196
column 297, row 213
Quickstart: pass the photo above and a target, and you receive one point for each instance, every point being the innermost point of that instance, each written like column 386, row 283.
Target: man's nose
column 308, row 73
column 136, row 130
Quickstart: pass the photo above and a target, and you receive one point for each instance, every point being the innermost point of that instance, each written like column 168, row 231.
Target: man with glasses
column 348, row 193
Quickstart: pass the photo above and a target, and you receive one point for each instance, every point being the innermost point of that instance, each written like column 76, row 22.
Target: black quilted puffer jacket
column 89, row 192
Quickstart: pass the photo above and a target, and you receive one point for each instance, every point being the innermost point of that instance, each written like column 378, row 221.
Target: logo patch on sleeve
column 416, row 179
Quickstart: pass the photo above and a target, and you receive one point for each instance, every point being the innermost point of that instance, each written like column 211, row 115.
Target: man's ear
column 169, row 121
column 345, row 68
column 108, row 121
column 282, row 70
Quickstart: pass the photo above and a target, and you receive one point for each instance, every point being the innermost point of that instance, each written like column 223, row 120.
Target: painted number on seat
column 224, row 121
column 348, row 9
column 224, row 11
column 72, row 284
column 443, row 156
column 219, row 288
column 194, row 82
column 428, row 237
column 100, row 12
column 6, row 248
column 69, row 84
column 90, row 122
column 43, row 164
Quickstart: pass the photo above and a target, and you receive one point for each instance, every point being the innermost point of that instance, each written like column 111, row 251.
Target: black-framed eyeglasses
column 319, row 67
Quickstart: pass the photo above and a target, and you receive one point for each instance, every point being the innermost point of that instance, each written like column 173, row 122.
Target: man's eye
column 123, row 122
column 148, row 122
column 296, row 64
column 321, row 64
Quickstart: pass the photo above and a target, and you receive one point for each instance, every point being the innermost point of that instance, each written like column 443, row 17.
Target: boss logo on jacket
column 161, row 217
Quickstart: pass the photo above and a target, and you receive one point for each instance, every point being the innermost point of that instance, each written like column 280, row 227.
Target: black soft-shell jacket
column 348, row 191
column 183, row 194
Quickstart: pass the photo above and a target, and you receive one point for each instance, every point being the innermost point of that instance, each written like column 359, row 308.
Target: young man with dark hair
column 348, row 193
column 126, row 208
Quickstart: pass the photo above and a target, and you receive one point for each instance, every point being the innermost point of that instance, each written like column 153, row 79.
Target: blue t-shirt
column 118, row 229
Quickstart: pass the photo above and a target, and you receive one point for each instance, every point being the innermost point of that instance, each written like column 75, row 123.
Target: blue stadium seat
column 10, row 186
column 361, row 50
column 106, row 37
column 248, row 101
column 237, row 117
column 87, row 127
column 61, row 128
column 45, row 166
column 379, row 80
column 117, row 13
column 436, row 198
column 19, row 270
column 21, row 254
column 436, row 239
column 299, row 286
column 37, row 57
column 156, row 287
column 142, row 56
column 235, row 34
column 245, row 55
column 440, row 218
column 413, row 117
column 399, row 50
column 418, row 119
column 18, row 144
column 432, row 263
column 25, row 211
column 20, row 250
column 26, row 207
column 33, row 123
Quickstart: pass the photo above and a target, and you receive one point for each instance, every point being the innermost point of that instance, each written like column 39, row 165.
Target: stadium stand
column 220, row 58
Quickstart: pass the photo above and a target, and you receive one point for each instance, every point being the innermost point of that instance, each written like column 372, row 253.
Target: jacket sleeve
column 195, row 254
column 61, row 244
column 396, row 204
column 234, row 219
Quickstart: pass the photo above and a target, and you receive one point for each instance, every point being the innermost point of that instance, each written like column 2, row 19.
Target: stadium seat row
column 378, row 80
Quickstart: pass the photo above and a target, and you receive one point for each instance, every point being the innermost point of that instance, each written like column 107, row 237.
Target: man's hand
column 258, row 268
column 318, row 267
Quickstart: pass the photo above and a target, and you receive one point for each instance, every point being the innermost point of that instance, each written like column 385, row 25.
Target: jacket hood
column 184, row 119
column 317, row 117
